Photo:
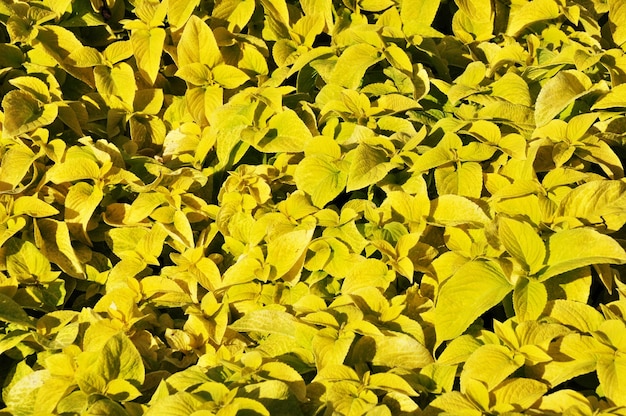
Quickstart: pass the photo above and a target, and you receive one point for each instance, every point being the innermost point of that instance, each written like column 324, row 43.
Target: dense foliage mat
column 315, row 207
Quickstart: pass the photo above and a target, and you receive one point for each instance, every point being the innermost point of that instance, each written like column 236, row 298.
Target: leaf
column 229, row 76
column 517, row 394
column 179, row 11
column 476, row 287
column 453, row 403
column 197, row 44
column 577, row 315
column 490, row 364
column 284, row 251
column 529, row 299
column 80, row 204
column 12, row 312
column 116, row 83
column 24, row 113
column 53, row 238
column 455, row 210
column 287, row 133
column 615, row 98
column 353, row 63
column 120, row 359
column 369, row 165
column 148, row 47
column 400, row 351
column 530, row 12
column 617, row 21
column 595, row 203
column 26, row 263
column 33, row 207
column 321, row 178
column 522, row 241
column 571, row 249
column 558, row 93
column 466, row 179
column 178, row 404
column 269, row 321
column 14, row 166
column 85, row 57
column 418, row 16
column 612, row 376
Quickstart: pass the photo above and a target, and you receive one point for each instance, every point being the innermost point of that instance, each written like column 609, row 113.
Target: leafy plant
column 364, row 207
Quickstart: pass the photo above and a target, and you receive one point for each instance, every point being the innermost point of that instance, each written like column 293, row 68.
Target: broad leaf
column 471, row 291
column 558, row 93
column 571, row 249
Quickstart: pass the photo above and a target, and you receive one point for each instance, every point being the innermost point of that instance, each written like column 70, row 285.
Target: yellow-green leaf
column 24, row 113
column 148, row 47
column 529, row 299
column 578, row 247
column 476, row 287
column 558, row 93
column 522, row 241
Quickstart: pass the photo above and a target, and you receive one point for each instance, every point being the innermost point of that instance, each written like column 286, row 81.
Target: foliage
column 315, row 207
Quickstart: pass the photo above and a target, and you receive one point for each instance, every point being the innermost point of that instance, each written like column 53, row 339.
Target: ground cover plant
column 314, row 207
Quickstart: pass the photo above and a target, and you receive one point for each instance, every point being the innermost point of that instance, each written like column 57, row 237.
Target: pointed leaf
column 24, row 113
column 148, row 47
column 571, row 249
column 558, row 93
column 522, row 241
column 471, row 291
column 198, row 45
column 529, row 299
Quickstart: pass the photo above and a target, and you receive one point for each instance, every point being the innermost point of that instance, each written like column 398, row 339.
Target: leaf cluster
column 314, row 207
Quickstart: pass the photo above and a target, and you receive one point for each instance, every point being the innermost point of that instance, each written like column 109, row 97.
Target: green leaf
column 321, row 177
column 558, row 93
column 12, row 312
column 476, row 287
column 529, row 299
column 571, row 249
column 456, row 210
column 522, row 241
column 148, row 47
column 21, row 398
column 197, row 44
column 24, row 113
